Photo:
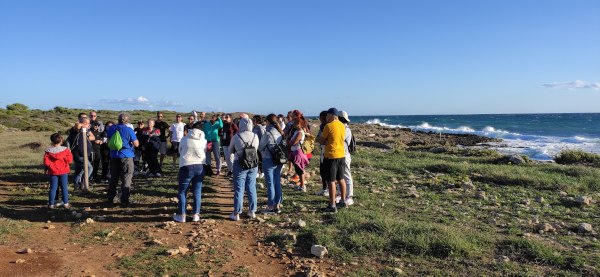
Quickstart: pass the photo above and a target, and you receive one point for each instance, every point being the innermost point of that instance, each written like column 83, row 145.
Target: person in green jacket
column 211, row 131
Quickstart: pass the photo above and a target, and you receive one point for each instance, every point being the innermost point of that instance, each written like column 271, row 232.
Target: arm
column 296, row 138
column 322, row 139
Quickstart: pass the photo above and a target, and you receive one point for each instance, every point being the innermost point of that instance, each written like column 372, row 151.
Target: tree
column 16, row 107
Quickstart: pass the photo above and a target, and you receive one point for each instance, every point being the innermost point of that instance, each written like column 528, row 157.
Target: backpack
column 309, row 143
column 249, row 158
column 115, row 142
column 352, row 145
column 278, row 153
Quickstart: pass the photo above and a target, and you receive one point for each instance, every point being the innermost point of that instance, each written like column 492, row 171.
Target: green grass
column 154, row 261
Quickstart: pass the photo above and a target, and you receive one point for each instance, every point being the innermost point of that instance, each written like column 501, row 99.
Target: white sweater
column 191, row 148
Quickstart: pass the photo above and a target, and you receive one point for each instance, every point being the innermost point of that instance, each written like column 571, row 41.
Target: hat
column 333, row 111
column 344, row 115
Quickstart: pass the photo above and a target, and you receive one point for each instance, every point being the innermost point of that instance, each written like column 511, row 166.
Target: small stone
column 545, row 228
column 412, row 192
column 208, row 221
column 562, row 194
column 183, row 250
column 301, row 223
column 539, row 199
column 526, row 202
column 157, row 242
column 318, row 251
column 87, row 209
column 174, row 200
column 505, row 259
column 25, row 251
column 172, row 252
column 468, row 185
column 481, row 195
column 585, row 228
column 19, row 261
column 584, row 200
column 89, row 221
column 49, row 227
column 398, row 271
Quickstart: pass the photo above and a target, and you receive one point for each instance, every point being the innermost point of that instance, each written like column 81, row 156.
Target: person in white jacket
column 243, row 178
column 191, row 172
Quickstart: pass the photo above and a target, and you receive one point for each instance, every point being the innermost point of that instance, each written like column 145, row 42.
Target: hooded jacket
column 191, row 148
column 57, row 160
column 242, row 138
column 270, row 138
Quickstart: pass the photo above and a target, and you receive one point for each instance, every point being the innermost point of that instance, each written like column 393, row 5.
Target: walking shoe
column 261, row 175
column 324, row 192
column 268, row 211
column 342, row 205
column 251, row 215
column 67, row 206
column 179, row 217
column 277, row 211
column 330, row 209
column 296, row 178
column 195, row 217
column 157, row 175
column 58, row 204
column 50, row 207
column 338, row 198
column 234, row 216
column 349, row 201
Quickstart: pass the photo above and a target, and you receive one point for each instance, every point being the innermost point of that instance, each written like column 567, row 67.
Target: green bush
column 577, row 157
column 16, row 107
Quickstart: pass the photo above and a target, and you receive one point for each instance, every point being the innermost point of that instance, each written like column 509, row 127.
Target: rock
column 157, row 242
column 208, row 221
column 174, row 200
column 260, row 219
column 172, row 252
column 49, row 227
column 25, row 251
column 318, row 250
column 412, row 192
column 260, row 185
column 290, row 236
column 505, row 259
column 438, row 150
column 468, row 185
column 89, row 221
column 585, row 228
column 539, row 199
column 19, row 261
column 516, row 159
column 545, row 228
column 183, row 250
column 301, row 223
column 584, row 200
column 311, row 271
column 481, row 195
column 562, row 194
column 526, row 202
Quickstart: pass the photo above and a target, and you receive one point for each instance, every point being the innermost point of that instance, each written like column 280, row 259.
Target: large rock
column 585, row 228
column 516, row 159
column 318, row 250
column 545, row 228
column 584, row 200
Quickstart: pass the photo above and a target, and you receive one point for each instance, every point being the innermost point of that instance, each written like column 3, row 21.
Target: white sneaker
column 179, row 217
column 158, row 175
column 262, row 175
column 349, row 201
column 58, row 204
column 337, row 199
column 67, row 206
column 252, row 215
column 195, row 217
column 234, row 216
column 324, row 192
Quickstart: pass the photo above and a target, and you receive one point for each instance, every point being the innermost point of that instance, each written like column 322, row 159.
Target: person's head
column 93, row 115
column 343, row 117
column 56, row 139
column 257, row 120
column 123, row 118
column 81, row 115
column 332, row 114
column 299, row 119
column 213, row 117
column 151, row 123
column 323, row 116
column 178, row 118
column 110, row 123
column 191, row 119
column 289, row 116
column 273, row 121
column 140, row 124
column 202, row 115
column 159, row 116
column 94, row 126
column 244, row 115
column 227, row 118
column 281, row 117
column 245, row 125
column 84, row 122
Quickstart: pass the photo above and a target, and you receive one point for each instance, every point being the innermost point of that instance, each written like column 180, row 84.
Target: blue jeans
column 244, row 179
column 273, row 180
column 79, row 172
column 217, row 153
column 55, row 181
column 190, row 174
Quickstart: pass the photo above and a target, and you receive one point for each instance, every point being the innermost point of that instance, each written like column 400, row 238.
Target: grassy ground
column 447, row 230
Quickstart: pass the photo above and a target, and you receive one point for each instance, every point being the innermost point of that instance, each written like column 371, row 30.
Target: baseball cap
column 332, row 111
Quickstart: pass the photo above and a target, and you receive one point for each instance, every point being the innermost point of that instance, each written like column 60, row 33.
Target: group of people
column 257, row 147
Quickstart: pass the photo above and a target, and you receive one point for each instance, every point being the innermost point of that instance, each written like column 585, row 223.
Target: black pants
column 121, row 169
column 153, row 165
column 96, row 165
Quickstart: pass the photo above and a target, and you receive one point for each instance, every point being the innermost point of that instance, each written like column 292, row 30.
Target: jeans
column 216, row 152
column 55, row 181
column 79, row 171
column 273, row 180
column 190, row 175
column 244, row 179
column 120, row 169
column 228, row 158
column 348, row 177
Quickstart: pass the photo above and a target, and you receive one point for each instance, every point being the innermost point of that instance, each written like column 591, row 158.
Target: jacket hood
column 195, row 134
column 245, row 125
column 55, row 149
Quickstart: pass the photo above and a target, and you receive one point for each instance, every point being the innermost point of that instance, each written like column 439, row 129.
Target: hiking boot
column 234, row 216
column 179, row 217
column 195, row 217
column 323, row 192
column 342, row 205
column 330, row 209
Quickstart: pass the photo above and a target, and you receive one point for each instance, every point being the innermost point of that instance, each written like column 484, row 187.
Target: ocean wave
column 535, row 146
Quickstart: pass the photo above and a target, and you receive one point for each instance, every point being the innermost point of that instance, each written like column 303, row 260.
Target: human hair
column 272, row 119
column 56, row 138
column 123, row 118
column 80, row 115
column 84, row 120
column 109, row 123
column 301, row 120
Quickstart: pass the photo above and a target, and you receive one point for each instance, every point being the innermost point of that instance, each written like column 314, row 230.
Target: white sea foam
column 537, row 147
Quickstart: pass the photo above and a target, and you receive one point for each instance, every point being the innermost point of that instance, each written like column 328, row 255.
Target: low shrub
column 577, row 157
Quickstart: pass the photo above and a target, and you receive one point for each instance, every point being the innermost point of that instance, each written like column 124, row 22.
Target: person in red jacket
column 57, row 159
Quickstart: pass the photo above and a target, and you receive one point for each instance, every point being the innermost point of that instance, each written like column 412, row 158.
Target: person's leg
column 217, row 154
column 163, row 151
column 63, row 182
column 96, row 166
column 208, row 155
column 251, row 187
column 348, row 178
column 126, row 179
column 197, row 187
column 339, row 176
column 322, row 173
column 152, row 161
column 277, row 185
column 228, row 158
column 78, row 174
column 115, row 172
column 269, row 169
column 184, row 177
column 239, row 177
column 52, row 190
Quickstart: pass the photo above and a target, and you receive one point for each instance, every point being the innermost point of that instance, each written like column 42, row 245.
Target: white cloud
column 573, row 85
column 141, row 100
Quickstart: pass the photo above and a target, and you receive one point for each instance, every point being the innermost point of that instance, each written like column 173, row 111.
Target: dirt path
column 63, row 244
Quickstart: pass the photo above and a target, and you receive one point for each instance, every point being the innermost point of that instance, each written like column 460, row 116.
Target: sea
column 539, row 136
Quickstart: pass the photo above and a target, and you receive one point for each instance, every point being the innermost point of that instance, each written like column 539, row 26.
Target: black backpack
column 352, row 145
column 249, row 158
column 278, row 152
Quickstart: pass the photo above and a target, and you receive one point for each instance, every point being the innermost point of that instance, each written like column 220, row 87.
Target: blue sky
column 366, row 57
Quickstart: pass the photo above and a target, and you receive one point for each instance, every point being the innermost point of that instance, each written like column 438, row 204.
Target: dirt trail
column 63, row 246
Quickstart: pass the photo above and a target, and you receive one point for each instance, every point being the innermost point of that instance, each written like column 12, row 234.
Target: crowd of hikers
column 259, row 147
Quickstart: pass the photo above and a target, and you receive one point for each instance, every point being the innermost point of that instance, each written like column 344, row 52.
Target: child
column 57, row 159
